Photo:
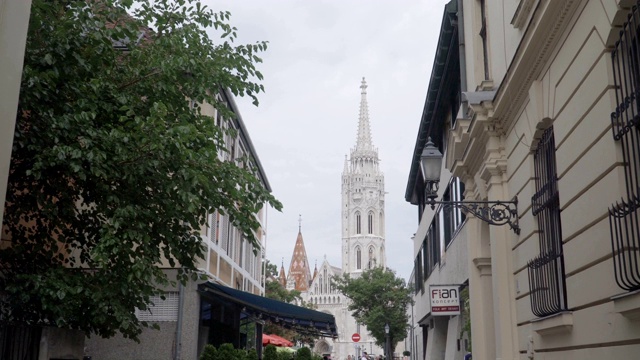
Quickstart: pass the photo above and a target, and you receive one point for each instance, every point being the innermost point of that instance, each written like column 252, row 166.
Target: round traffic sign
column 355, row 337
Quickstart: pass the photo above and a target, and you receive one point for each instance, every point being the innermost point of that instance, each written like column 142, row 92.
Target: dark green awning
column 287, row 315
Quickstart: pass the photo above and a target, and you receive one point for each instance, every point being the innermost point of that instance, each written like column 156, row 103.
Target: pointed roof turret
column 364, row 143
column 282, row 278
column 315, row 271
column 299, row 269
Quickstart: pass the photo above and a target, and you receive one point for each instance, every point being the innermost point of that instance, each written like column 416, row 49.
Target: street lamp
column 387, row 348
column 492, row 212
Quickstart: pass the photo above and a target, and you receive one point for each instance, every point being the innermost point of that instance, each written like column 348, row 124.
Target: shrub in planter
column 252, row 354
column 270, row 353
column 208, row 353
column 303, row 353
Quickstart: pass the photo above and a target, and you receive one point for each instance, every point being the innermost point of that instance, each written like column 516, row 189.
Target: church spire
column 299, row 276
column 364, row 130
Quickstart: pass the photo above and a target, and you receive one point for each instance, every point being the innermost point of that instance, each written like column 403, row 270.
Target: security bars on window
column 547, row 287
column 625, row 120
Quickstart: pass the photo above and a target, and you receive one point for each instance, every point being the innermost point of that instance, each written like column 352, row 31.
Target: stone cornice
column 543, row 34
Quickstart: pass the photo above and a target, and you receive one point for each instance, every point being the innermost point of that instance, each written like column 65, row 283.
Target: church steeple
column 299, row 270
column 363, row 193
column 363, row 143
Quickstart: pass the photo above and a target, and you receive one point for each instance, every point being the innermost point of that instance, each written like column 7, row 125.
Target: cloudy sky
column 306, row 123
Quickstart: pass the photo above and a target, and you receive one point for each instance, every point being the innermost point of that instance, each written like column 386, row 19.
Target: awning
column 289, row 316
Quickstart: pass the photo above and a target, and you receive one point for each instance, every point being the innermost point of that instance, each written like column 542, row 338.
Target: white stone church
column 363, row 245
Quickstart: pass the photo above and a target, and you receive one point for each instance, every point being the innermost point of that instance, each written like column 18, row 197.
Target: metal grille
column 19, row 342
column 546, row 272
column 161, row 310
column 545, row 284
column 623, row 216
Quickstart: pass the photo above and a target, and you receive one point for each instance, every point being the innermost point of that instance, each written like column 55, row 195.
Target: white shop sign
column 445, row 300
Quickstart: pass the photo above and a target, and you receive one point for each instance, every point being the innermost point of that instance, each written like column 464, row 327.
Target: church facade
column 363, row 244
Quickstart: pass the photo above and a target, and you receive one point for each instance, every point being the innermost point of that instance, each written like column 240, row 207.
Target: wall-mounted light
column 492, row 212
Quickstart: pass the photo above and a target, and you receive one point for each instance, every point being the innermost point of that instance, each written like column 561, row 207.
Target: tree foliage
column 271, row 270
column 113, row 170
column 378, row 297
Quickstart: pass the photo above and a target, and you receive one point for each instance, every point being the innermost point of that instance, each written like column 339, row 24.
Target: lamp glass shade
column 431, row 162
column 386, row 328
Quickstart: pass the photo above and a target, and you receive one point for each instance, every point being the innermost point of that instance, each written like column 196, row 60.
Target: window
column 624, row 216
column 358, row 258
column 546, row 272
column 418, row 272
column 215, row 227
column 358, row 223
column 372, row 260
column 452, row 217
column 417, row 266
column 370, row 222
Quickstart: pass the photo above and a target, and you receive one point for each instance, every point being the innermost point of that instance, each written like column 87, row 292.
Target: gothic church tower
column 363, row 244
column 362, row 200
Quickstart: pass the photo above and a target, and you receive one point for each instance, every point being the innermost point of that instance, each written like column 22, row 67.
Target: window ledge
column 554, row 324
column 628, row 304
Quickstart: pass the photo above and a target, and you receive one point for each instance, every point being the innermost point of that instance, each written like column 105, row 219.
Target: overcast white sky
column 307, row 119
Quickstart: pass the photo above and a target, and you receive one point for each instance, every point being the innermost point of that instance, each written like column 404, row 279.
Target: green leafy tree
column 113, row 170
column 378, row 297
column 271, row 270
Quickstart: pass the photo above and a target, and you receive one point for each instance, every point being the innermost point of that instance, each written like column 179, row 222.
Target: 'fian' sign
column 445, row 300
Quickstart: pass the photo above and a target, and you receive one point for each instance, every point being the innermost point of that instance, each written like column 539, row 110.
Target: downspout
column 178, row 354
column 462, row 55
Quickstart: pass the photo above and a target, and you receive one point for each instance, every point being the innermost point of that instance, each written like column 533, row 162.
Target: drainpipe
column 463, row 60
column 178, row 354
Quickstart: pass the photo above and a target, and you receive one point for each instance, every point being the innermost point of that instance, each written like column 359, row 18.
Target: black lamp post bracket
column 492, row 212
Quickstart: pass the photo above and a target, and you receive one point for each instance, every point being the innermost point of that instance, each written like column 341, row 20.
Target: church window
column 371, row 264
column 358, row 223
column 370, row 222
column 358, row 258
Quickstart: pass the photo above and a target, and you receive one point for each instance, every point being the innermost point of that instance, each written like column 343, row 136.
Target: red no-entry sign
column 355, row 337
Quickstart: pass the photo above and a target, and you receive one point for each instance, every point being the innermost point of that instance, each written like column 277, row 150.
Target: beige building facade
column 185, row 319
column 547, row 112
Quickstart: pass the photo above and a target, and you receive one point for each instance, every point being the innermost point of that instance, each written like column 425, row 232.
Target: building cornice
column 544, row 32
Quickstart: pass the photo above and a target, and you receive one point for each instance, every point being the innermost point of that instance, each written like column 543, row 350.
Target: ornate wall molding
column 544, row 32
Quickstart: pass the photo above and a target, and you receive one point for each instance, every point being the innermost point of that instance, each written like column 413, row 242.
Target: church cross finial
column 363, row 86
column 299, row 222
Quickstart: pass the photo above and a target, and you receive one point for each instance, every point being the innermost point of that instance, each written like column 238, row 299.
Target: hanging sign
column 445, row 300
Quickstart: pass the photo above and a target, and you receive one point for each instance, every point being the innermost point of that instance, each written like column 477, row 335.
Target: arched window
column 358, row 258
column 370, row 222
column 371, row 262
column 358, row 223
